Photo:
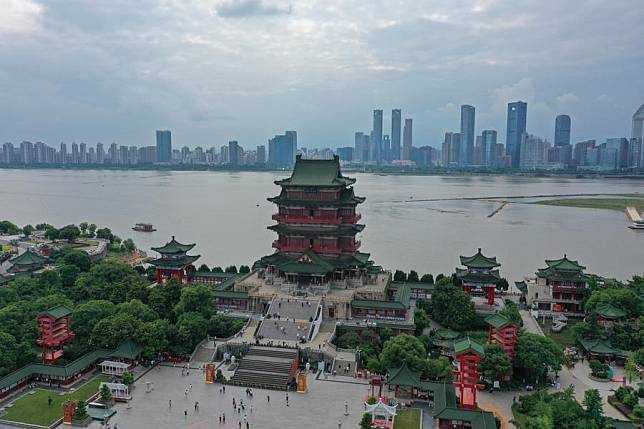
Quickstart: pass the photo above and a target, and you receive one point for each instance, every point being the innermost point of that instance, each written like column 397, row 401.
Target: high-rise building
column 386, row 146
column 534, row 152
column 376, row 141
column 580, row 152
column 100, row 154
column 82, row 153
column 635, row 149
column 123, row 155
column 233, row 153
column 358, row 139
column 488, row 148
column 516, row 126
column 164, row 146
column 261, row 155
column 344, row 153
column 407, row 139
column 147, row 155
column 282, row 150
column 467, row 135
column 455, row 153
column 9, row 153
column 395, row 134
column 113, row 154
column 446, row 149
column 620, row 145
column 75, row 153
column 562, row 130
column 63, row 153
column 638, row 124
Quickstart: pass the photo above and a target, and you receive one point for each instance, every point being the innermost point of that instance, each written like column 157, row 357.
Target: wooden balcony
column 306, row 219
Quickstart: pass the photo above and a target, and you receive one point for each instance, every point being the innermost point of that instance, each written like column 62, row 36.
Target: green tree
column 231, row 269
column 638, row 412
column 496, row 364
column 348, row 340
column 80, row 413
column 128, row 378
column 421, row 320
column 68, row 275
column 27, row 230
column 502, row 285
column 451, row 307
column 52, row 234
column 108, row 333
column 88, row 314
column 427, row 278
column 630, row 368
column 69, row 233
column 105, row 233
column 537, row 354
column 153, row 336
column 438, row 369
column 594, row 407
column 128, row 245
column 400, row 276
column 539, row 422
column 43, row 226
column 203, row 268
column 77, row 258
column 138, row 310
column 412, row 277
column 9, row 228
column 191, row 328
column 598, row 368
column 244, row 269
column 83, row 228
column 217, row 270
column 91, row 230
column 198, row 299
column 9, row 348
column 403, row 348
column 105, row 394
column 624, row 298
column 365, row 422
column 511, row 311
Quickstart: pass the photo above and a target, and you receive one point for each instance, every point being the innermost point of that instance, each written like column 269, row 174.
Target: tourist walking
column 169, row 403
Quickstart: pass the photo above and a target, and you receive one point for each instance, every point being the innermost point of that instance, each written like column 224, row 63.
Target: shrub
column 599, row 369
column 630, row 400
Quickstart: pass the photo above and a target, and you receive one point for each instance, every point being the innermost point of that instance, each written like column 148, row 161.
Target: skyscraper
column 516, row 126
column 395, row 133
column 407, row 139
column 386, row 147
column 164, row 146
column 534, row 152
column 233, row 153
column 467, row 135
column 261, row 155
column 562, row 130
column 282, row 150
column 63, row 153
column 376, row 142
column 446, row 149
column 638, row 124
column 357, row 146
column 488, row 148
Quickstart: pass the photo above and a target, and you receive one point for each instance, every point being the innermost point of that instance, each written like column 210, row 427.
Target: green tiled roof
column 402, row 295
column 413, row 285
column 347, row 198
column 128, row 349
column 173, row 246
column 565, row 264
column 601, row 347
column 403, row 376
column 522, row 286
column 125, row 350
column 213, row 274
column 609, row 311
column 27, row 258
column 309, row 263
column 57, row 312
column 620, row 424
column 498, row 320
column 447, row 334
column 467, row 344
column 443, row 392
column 279, row 260
column 367, row 303
column 491, row 276
column 478, row 419
column 316, row 172
column 181, row 262
column 230, row 294
column 478, row 260
column 311, row 231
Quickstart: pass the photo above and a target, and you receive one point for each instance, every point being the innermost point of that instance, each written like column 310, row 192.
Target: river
column 226, row 215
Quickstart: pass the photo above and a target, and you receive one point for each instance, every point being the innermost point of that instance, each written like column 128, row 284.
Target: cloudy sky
column 216, row 70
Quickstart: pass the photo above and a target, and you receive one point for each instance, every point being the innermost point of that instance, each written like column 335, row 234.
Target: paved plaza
column 320, row 408
column 273, row 329
column 291, row 308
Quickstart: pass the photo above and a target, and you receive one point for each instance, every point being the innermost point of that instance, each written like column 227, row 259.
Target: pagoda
column 316, row 227
column 469, row 354
column 55, row 332
column 479, row 275
column 174, row 261
column 566, row 282
column 26, row 262
column 503, row 331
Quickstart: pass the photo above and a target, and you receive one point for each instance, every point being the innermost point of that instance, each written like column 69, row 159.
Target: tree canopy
column 451, row 307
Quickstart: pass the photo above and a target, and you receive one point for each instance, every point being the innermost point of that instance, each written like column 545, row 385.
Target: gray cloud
column 250, row 8
column 116, row 70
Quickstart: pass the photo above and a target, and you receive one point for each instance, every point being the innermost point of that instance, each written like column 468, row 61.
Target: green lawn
column 33, row 409
column 407, row 419
column 565, row 337
column 597, row 203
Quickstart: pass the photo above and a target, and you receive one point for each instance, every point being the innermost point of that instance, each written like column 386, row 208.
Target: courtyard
column 321, row 407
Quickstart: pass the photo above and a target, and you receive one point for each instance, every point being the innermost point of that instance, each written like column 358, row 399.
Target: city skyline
column 202, row 70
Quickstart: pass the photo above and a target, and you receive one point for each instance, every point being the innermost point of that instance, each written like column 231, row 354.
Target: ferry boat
column 144, row 227
column 638, row 224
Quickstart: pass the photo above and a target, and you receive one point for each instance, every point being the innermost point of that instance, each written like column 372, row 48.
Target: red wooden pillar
column 491, row 295
column 180, row 277
column 159, row 276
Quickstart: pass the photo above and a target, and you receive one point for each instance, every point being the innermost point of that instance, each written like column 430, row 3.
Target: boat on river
column 144, row 227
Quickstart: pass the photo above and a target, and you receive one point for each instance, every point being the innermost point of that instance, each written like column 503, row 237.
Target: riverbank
column 597, row 203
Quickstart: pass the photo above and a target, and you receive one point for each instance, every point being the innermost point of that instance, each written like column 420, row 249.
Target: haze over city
column 214, row 71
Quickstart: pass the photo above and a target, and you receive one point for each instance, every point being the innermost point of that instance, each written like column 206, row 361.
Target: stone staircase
column 265, row 368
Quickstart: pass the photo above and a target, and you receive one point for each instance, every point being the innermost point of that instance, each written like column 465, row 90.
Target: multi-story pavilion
column 26, row 262
column 174, row 261
column 468, row 354
column 558, row 288
column 480, row 275
column 316, row 226
column 503, row 331
column 55, row 332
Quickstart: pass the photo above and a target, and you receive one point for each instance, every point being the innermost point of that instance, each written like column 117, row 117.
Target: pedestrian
column 185, row 393
column 197, row 406
column 219, row 419
column 190, row 388
column 185, row 413
column 268, row 398
column 169, row 403
column 247, row 425
column 239, row 424
column 224, row 389
column 223, row 417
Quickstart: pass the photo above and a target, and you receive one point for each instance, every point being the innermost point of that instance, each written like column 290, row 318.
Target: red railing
column 352, row 247
column 306, row 219
column 351, row 219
